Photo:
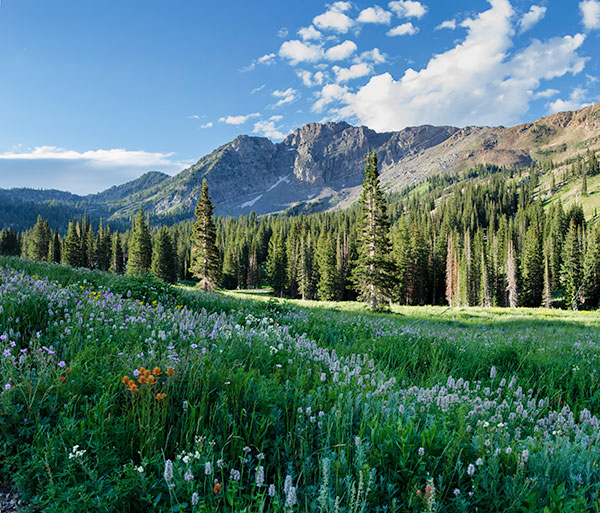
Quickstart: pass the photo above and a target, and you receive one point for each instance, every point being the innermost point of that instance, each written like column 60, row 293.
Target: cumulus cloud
column 267, row 59
column 282, row 32
column 207, row 125
column 546, row 93
column 238, row 120
column 285, row 96
column 535, row 14
column 408, row 8
column 330, row 93
column 80, row 172
column 448, row 24
column 500, row 84
column 335, row 19
column 576, row 101
column 590, row 11
column 341, row 51
column 310, row 79
column 309, row 33
column 355, row 71
column 373, row 55
column 375, row 14
column 406, row 29
column 297, row 51
column 268, row 128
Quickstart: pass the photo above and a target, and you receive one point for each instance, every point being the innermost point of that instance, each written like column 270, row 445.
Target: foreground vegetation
column 125, row 394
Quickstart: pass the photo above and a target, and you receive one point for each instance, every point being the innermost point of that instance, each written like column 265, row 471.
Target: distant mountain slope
column 320, row 166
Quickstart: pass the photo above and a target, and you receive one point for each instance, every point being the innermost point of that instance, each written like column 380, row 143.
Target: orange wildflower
column 63, row 379
column 150, row 380
column 125, row 380
column 170, row 371
column 142, row 380
column 133, row 387
column 160, row 397
column 156, row 371
column 217, row 488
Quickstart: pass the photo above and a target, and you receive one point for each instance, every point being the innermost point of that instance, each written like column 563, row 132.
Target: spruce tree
column 327, row 286
column 117, row 263
column 511, row 277
column 40, row 240
column 572, row 272
column 532, row 270
column 205, row 260
column 373, row 274
column 163, row 257
column 71, row 254
column 139, row 247
column 54, row 249
column 277, row 264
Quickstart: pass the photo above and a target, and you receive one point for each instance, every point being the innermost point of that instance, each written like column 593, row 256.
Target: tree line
column 484, row 237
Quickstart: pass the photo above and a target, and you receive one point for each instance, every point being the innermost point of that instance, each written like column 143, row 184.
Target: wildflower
column 62, row 364
column 217, row 488
column 194, row 346
column 525, row 455
column 76, row 452
column 195, row 499
column 160, row 397
column 170, row 371
column 456, row 492
column 235, row 474
column 140, row 469
column 471, row 469
column 479, row 462
column 156, row 371
column 63, row 379
column 7, row 386
column 168, row 473
column 271, row 490
column 247, row 450
column 125, row 380
column 260, row 476
column 290, row 499
column 508, row 450
column 188, row 476
column 492, row 372
column 421, row 451
column 136, row 373
column 207, row 468
column 287, row 484
column 221, row 464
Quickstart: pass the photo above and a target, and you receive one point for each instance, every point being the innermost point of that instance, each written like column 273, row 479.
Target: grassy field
column 123, row 394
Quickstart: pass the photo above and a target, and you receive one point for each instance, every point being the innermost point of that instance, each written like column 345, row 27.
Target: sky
column 94, row 94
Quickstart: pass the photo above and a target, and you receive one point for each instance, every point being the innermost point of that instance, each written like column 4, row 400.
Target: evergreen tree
column 9, row 243
column 40, row 240
column 54, row 249
column 71, row 254
column 163, row 257
column 117, row 264
column 205, row 260
column 511, row 277
column 326, row 260
column 591, row 268
column 139, row 247
column 373, row 274
column 572, row 272
column 584, row 190
column 532, row 271
column 103, row 247
column 277, row 264
column 547, row 292
column 306, row 268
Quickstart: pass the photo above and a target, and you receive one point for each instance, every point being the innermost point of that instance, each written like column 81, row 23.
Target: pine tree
column 117, row 264
column 71, row 254
column 326, row 261
column 163, row 257
column 373, row 274
column 54, row 249
column 205, row 260
column 103, row 247
column 591, row 268
column 40, row 240
column 584, row 190
column 511, row 277
column 9, row 242
column 277, row 264
column 572, row 272
column 306, row 268
column 532, row 271
column 139, row 247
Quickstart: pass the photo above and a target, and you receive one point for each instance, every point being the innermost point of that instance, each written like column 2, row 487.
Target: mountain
column 320, row 167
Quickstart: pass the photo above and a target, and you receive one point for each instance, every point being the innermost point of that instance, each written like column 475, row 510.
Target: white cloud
column 334, row 18
column 238, row 120
column 408, row 8
column 355, row 71
column 448, row 24
column 268, row 129
column 276, row 117
column 84, row 172
column 575, row 101
column 546, row 93
column 250, row 67
column 590, row 10
column 309, row 33
column 257, row 89
column 373, row 55
column 406, row 29
column 311, row 79
column 194, row 116
column 297, row 51
column 535, row 14
column 286, row 96
column 341, row 51
column 478, row 81
column 267, row 59
column 207, row 125
column 282, row 32
column 330, row 93
column 375, row 14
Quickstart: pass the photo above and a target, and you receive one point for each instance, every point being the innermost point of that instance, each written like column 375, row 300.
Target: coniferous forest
column 489, row 236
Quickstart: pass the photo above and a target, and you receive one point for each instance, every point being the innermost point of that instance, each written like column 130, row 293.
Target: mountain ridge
column 320, row 166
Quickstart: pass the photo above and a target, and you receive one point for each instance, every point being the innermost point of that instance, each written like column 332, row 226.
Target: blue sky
column 97, row 93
